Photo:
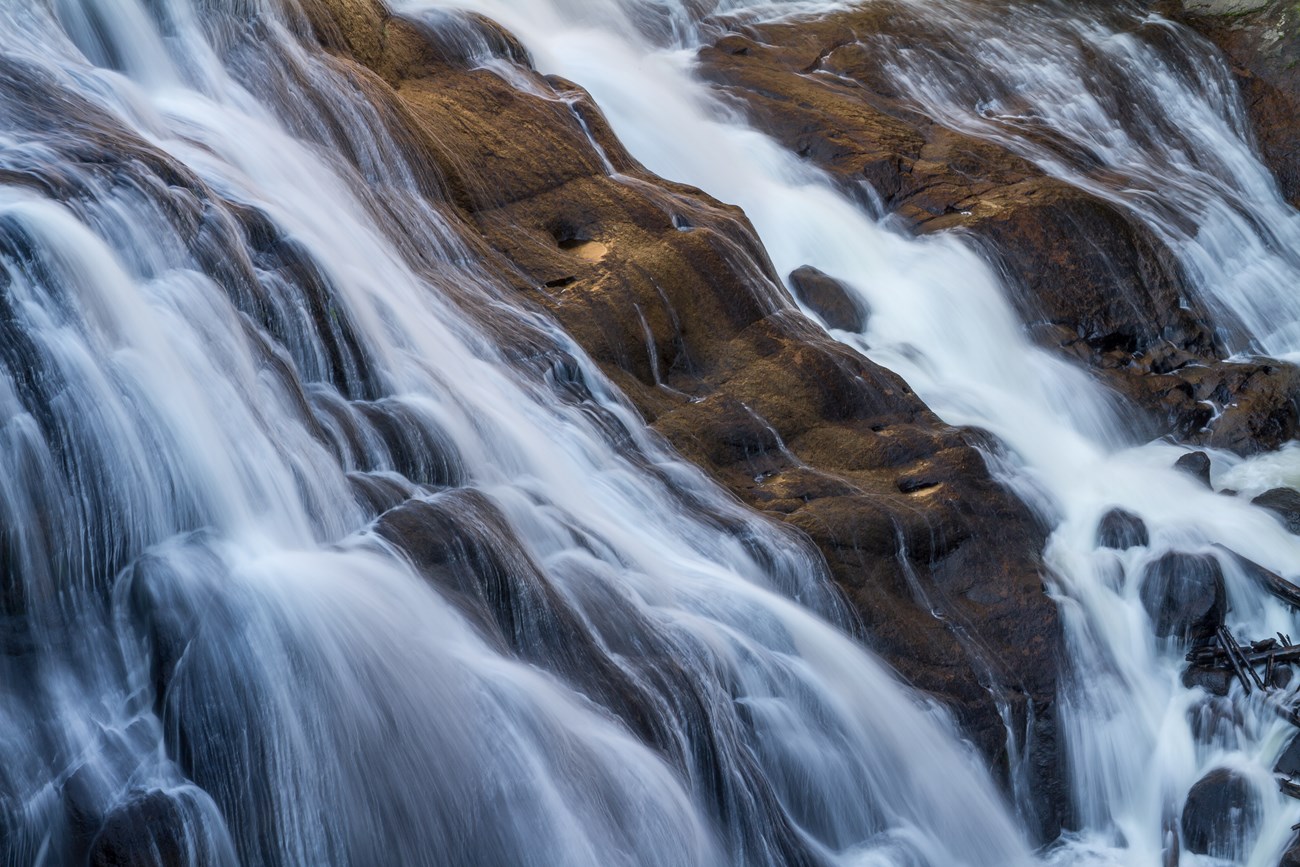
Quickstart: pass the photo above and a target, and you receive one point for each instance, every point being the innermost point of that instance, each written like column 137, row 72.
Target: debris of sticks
column 1225, row 652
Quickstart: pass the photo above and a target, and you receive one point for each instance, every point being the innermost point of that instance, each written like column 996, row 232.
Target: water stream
column 1183, row 161
column 236, row 326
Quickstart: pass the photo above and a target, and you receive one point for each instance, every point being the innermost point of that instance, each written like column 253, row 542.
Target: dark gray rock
column 1122, row 530
column 1289, row 762
column 1215, row 681
column 1221, row 815
column 1196, row 464
column 163, row 829
column 1285, row 503
column 1184, row 595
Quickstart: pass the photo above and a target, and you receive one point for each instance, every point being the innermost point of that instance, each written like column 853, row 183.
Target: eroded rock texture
column 673, row 294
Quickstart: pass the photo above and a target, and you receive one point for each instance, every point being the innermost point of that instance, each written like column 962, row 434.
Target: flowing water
column 1158, row 118
column 237, row 326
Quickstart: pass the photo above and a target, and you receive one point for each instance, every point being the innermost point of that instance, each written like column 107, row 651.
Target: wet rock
column 1196, row 465
column 1221, row 815
column 1267, row 580
column 1184, row 595
column 378, row 492
column 1289, row 761
column 1121, row 529
column 1285, row 503
column 836, row 304
column 1215, row 720
column 161, row 829
column 1215, row 681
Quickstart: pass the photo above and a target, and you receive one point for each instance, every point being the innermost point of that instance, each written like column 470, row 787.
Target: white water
column 218, row 335
column 1170, row 143
column 942, row 321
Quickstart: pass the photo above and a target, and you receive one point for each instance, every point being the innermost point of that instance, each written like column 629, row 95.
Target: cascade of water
column 1171, row 144
column 235, row 327
column 1137, row 738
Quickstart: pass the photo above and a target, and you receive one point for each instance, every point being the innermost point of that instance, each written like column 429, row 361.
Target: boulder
column 1215, row 681
column 1121, row 529
column 1283, row 502
column 836, row 304
column 1221, row 815
column 1196, row 465
column 1184, row 595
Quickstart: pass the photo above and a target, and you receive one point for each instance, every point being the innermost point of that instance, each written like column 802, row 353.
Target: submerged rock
column 1221, row 815
column 1184, row 595
column 1121, row 529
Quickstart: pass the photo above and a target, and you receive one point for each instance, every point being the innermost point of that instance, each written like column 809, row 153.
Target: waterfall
column 321, row 548
column 1183, row 163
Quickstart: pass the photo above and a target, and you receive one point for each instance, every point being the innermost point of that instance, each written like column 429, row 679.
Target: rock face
column 1184, row 595
column 1090, row 281
column 673, row 295
column 1221, row 815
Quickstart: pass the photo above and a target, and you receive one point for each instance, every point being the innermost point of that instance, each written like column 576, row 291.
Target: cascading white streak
column 940, row 318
